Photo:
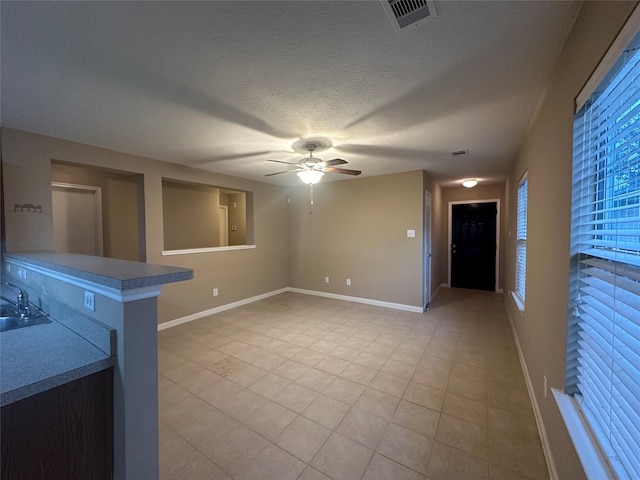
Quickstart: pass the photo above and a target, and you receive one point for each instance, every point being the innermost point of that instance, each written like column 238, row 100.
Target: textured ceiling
column 224, row 86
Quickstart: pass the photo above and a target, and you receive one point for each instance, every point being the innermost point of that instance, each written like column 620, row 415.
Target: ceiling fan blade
column 341, row 170
column 280, row 161
column 284, row 171
column 335, row 161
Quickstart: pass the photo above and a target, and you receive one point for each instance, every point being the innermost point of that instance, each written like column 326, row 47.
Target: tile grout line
column 397, row 346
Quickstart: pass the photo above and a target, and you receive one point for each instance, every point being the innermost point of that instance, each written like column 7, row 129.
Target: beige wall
column 190, row 215
column 357, row 229
column 119, row 206
column 462, row 194
column 121, row 226
column 237, row 274
column 546, row 154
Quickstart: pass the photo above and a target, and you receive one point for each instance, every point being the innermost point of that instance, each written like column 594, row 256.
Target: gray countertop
column 41, row 357
column 119, row 274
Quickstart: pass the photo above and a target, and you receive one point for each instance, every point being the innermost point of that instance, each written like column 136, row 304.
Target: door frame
column 97, row 195
column 450, row 234
column 223, row 232
column 427, row 264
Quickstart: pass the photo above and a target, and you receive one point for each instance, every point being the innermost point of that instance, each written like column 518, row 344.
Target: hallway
column 310, row 388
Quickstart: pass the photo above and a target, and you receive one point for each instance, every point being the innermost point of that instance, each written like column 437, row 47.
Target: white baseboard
column 546, row 446
column 239, row 303
column 221, row 308
column 368, row 301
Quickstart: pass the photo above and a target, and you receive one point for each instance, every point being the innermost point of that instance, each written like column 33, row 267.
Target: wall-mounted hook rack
column 29, row 207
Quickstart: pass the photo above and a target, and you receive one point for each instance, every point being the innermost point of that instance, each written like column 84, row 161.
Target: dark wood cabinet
column 64, row 433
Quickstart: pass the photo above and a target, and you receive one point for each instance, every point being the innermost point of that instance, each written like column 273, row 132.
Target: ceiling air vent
column 404, row 13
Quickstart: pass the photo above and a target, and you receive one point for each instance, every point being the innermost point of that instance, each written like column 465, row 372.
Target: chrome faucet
column 22, row 300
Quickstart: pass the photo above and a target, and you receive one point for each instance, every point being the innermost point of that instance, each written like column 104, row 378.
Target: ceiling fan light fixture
column 310, row 176
column 472, row 182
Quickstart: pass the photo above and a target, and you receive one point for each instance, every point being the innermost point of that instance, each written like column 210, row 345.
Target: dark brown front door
column 473, row 246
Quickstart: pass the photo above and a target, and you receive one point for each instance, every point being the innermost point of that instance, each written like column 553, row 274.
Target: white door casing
column 427, row 250
column 223, row 218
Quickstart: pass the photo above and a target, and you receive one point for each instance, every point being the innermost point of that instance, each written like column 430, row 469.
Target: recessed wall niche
column 98, row 211
column 205, row 216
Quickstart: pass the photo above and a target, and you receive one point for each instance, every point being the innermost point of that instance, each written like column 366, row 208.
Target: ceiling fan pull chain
column 311, row 197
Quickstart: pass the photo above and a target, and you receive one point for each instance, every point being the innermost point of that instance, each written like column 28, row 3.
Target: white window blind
column 603, row 355
column 521, row 238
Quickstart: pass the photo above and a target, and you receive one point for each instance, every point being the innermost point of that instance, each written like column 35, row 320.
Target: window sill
column 189, row 251
column 518, row 301
column 593, row 461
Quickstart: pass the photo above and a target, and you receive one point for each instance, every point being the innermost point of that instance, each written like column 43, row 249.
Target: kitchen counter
column 110, row 273
column 106, row 312
column 41, row 357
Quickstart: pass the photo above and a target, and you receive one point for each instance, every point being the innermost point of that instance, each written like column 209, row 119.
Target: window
column 603, row 366
column 521, row 242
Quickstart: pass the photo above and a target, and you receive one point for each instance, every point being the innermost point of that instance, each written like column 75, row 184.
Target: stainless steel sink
column 10, row 319
column 8, row 323
column 8, row 310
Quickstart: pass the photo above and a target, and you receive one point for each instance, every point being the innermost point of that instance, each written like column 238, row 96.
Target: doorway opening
column 473, row 244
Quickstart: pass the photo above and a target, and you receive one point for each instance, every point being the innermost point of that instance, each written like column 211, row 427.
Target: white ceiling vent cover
column 404, row 13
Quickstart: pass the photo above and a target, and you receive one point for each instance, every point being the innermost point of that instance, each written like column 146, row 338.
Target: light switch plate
column 411, row 233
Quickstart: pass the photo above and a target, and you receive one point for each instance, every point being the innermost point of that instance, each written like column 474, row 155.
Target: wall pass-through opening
column 98, row 211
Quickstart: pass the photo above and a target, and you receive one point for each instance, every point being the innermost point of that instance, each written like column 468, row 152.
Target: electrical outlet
column 22, row 273
column 326, row 279
column 215, row 292
column 546, row 387
column 89, row 301
column 348, row 282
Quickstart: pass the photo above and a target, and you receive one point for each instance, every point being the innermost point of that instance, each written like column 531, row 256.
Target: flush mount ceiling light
column 470, row 183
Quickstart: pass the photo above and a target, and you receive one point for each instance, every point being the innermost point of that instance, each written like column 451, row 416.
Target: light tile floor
column 309, row 388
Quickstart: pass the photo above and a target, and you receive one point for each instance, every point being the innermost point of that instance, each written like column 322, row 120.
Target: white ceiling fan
column 311, row 169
